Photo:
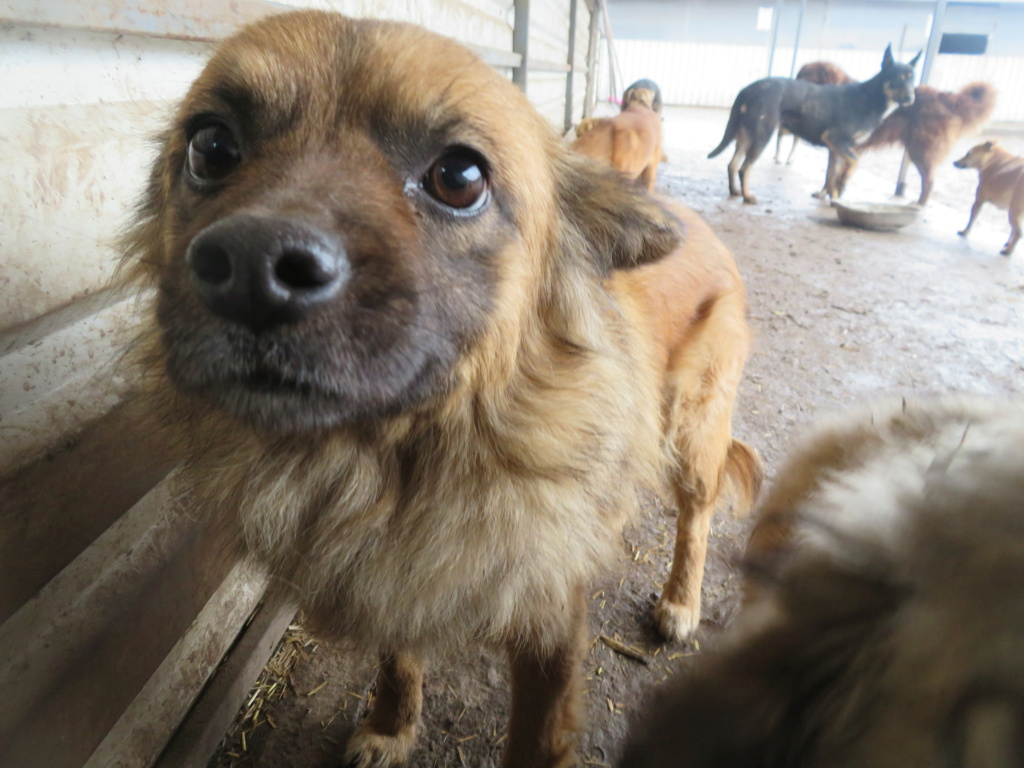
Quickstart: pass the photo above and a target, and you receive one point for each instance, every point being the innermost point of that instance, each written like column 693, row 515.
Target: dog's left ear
column 913, row 61
column 887, row 60
column 623, row 226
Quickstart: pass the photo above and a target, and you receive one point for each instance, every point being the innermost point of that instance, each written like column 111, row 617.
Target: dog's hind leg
column 792, row 150
column 699, row 428
column 386, row 737
column 742, row 144
column 778, row 145
column 545, row 694
column 757, row 145
column 1016, row 212
column 927, row 182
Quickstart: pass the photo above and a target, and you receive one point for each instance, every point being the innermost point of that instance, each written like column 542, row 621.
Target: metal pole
column 930, row 53
column 796, row 41
column 521, row 42
column 595, row 42
column 776, row 15
column 572, row 66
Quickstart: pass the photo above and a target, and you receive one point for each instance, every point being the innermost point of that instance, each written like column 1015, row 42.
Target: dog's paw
column 369, row 749
column 962, row 233
column 750, row 200
column 821, row 194
column 1006, row 252
column 676, row 622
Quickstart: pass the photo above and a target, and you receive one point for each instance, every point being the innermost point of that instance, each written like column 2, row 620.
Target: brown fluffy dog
column 888, row 628
column 630, row 142
column 1000, row 182
column 413, row 383
column 930, row 127
column 819, row 73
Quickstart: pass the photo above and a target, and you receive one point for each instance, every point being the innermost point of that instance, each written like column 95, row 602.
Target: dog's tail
column 730, row 128
column 745, row 472
column 890, row 131
column 974, row 104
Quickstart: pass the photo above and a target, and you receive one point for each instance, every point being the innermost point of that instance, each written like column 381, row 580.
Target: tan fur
column 630, row 142
column 1000, row 182
column 480, row 507
column 887, row 629
column 586, row 124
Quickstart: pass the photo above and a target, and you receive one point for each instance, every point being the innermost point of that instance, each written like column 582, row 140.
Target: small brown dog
column 628, row 96
column 425, row 356
column 930, row 126
column 888, row 626
column 630, row 142
column 819, row 73
column 1000, row 182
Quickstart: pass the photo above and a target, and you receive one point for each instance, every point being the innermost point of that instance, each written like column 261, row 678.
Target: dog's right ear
column 887, row 59
column 623, row 226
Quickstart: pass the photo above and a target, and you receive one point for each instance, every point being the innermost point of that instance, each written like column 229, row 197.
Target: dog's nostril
column 299, row 269
column 212, row 265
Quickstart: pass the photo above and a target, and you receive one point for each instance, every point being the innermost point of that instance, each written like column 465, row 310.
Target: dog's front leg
column 1015, row 217
column 840, row 155
column 978, row 202
column 545, row 695
column 386, row 737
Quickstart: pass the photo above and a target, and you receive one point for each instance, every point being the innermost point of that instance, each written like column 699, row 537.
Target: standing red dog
column 1000, row 182
column 930, row 126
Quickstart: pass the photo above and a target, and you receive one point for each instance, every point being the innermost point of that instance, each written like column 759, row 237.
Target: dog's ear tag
column 624, row 226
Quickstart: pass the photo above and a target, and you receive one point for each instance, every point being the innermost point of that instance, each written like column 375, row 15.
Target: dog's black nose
column 262, row 271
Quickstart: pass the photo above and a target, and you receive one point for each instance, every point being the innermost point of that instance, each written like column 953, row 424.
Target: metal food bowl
column 884, row 217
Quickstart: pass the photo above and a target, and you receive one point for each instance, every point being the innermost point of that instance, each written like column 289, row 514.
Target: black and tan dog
column 833, row 116
column 821, row 73
column 887, row 626
column 424, row 356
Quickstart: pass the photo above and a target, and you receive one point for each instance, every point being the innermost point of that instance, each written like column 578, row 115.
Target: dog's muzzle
column 261, row 271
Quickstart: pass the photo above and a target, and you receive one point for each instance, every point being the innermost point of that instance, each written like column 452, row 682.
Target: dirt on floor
column 841, row 316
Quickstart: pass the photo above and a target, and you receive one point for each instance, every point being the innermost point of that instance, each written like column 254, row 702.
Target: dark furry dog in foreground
column 819, row 73
column 930, row 126
column 885, row 627
column 832, row 116
column 424, row 357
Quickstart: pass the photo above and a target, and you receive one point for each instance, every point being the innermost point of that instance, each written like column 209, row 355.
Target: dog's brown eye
column 457, row 179
column 212, row 153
